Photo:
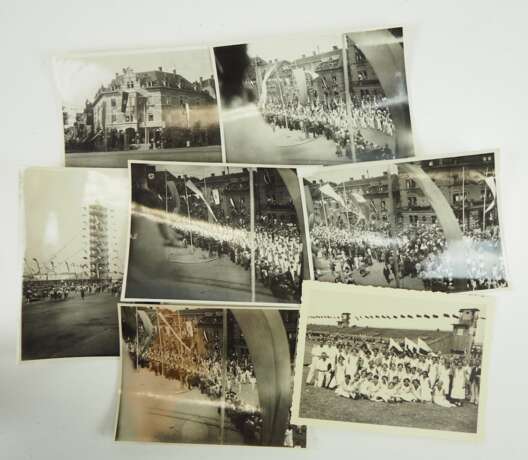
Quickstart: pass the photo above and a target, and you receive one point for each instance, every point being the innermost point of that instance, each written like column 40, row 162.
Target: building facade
column 462, row 180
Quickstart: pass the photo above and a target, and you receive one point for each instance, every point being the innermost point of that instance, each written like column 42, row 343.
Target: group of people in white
column 418, row 251
column 353, row 370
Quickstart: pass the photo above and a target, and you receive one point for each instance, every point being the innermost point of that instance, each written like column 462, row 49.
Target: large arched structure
column 444, row 212
column 268, row 346
column 384, row 53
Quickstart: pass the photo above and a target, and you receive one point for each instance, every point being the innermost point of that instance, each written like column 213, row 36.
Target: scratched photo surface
column 430, row 225
column 205, row 232
column 207, row 376
column 315, row 99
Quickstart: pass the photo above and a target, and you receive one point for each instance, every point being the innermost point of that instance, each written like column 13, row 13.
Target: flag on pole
column 330, row 192
column 393, row 344
column 216, row 196
column 410, row 345
column 490, row 182
column 189, row 328
column 359, row 198
column 423, row 346
column 199, row 194
column 188, row 115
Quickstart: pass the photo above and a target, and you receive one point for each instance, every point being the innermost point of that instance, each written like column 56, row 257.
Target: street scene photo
column 75, row 227
column 208, row 232
column 158, row 105
column 318, row 99
column 191, row 376
column 387, row 360
column 425, row 225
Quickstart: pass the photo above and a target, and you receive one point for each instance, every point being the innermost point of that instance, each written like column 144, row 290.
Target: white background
column 466, row 69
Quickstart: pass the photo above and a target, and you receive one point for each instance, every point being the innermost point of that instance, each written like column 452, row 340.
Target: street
column 119, row 159
column 249, row 139
column 159, row 272
column 374, row 277
column 154, row 408
column 70, row 328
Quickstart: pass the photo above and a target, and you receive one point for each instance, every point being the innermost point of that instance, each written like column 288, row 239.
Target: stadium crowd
column 356, row 368
column 331, row 121
column 35, row 290
column 418, row 251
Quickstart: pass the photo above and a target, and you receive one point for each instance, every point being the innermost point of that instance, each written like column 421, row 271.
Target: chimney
column 160, row 69
column 174, row 71
column 117, row 74
column 313, row 53
column 201, row 80
column 362, row 176
column 335, row 48
column 303, row 56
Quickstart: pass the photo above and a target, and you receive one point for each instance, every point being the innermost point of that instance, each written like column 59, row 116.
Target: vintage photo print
column 401, row 361
column 207, row 376
column 150, row 104
column 432, row 224
column 315, row 99
column 75, row 242
column 206, row 232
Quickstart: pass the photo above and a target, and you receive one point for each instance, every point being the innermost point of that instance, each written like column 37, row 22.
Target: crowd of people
column 332, row 122
column 355, row 368
column 278, row 257
column 417, row 251
column 63, row 289
column 276, row 247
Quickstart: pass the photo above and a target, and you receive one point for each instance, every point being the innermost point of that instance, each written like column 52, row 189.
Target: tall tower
column 465, row 330
column 98, row 242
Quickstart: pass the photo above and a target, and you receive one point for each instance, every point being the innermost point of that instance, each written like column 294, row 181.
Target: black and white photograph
column 157, row 104
column 207, row 376
column 75, row 242
column 315, row 99
column 206, row 232
column 416, row 362
column 425, row 225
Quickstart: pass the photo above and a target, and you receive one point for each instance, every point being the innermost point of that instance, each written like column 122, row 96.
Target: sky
column 79, row 77
column 293, row 47
column 55, row 201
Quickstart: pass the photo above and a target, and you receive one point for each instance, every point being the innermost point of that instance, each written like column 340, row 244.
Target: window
column 433, row 219
column 113, row 102
column 412, row 201
column 113, row 118
column 383, row 205
column 150, row 117
column 127, row 118
column 410, row 183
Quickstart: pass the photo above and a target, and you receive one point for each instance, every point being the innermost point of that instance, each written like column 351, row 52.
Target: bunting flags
column 423, row 346
column 410, row 345
column 393, row 344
